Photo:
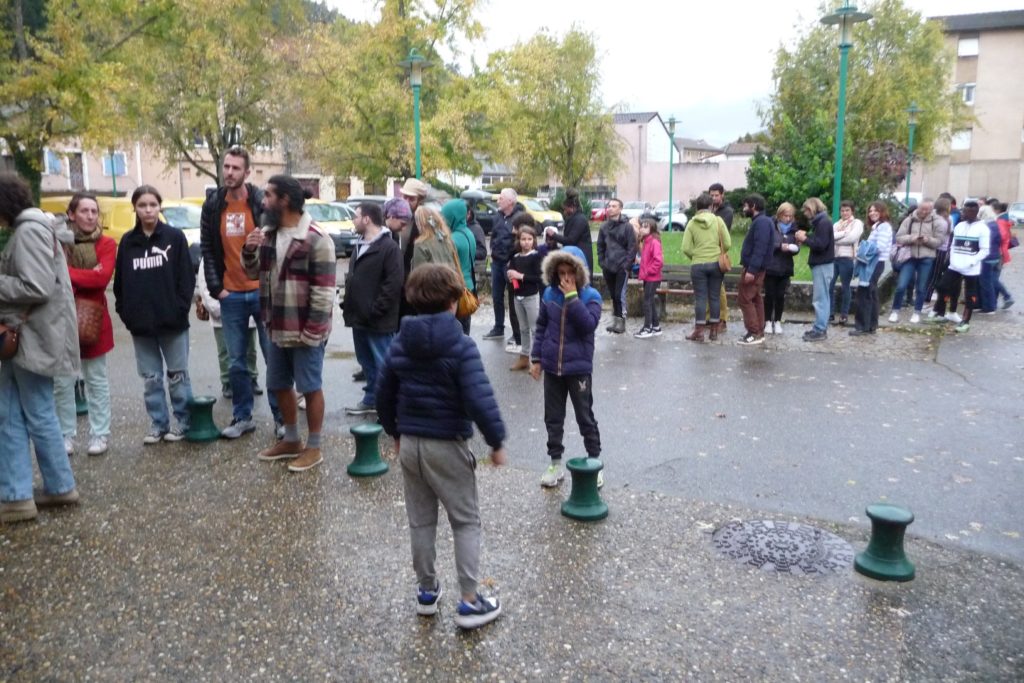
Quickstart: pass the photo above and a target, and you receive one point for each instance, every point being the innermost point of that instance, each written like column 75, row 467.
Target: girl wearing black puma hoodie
column 153, row 287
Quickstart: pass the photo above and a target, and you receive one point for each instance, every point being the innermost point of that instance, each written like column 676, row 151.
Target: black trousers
column 616, row 281
column 865, row 317
column 579, row 390
column 949, row 291
column 775, row 287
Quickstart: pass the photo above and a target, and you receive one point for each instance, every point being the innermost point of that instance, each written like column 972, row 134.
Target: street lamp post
column 671, row 150
column 113, row 171
column 913, row 111
column 845, row 16
column 415, row 63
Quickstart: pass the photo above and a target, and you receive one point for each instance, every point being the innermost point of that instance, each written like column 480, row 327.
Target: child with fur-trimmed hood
column 563, row 348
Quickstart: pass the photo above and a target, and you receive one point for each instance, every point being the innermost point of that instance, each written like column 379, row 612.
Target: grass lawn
column 672, row 246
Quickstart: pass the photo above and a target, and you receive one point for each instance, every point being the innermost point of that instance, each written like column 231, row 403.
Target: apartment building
column 987, row 158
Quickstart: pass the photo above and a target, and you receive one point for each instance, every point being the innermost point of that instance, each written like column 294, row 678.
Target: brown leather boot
column 713, row 332
column 522, row 363
column 698, row 333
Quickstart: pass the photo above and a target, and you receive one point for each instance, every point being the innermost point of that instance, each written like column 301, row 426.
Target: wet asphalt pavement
column 197, row 562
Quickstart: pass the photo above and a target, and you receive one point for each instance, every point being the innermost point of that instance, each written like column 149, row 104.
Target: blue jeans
column 987, row 284
column 498, row 283
column 151, row 353
column 843, row 273
column 371, row 348
column 919, row 268
column 27, row 412
column 707, row 281
column 821, row 295
column 235, row 311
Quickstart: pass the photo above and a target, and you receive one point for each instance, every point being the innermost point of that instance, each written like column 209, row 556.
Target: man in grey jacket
column 36, row 300
column 616, row 249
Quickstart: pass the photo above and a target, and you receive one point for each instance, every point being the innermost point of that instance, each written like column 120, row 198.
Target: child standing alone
column 525, row 276
column 432, row 388
column 563, row 348
column 651, row 262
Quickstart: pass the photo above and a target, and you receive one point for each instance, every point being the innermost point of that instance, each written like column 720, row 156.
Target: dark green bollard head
column 584, row 502
column 81, row 404
column 884, row 558
column 367, row 462
column 202, row 427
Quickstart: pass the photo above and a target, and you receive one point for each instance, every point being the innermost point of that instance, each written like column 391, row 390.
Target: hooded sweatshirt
column 154, row 281
column 701, row 238
column 454, row 212
column 934, row 229
column 433, row 384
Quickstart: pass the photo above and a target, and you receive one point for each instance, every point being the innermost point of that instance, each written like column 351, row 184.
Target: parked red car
column 598, row 209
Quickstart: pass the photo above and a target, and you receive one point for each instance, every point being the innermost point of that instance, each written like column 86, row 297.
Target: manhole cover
column 783, row 547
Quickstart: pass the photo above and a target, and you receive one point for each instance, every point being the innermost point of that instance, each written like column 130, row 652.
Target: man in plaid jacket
column 294, row 260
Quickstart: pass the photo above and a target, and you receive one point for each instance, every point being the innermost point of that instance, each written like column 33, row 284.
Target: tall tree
column 62, row 71
column 352, row 103
column 215, row 80
column 548, row 112
column 897, row 58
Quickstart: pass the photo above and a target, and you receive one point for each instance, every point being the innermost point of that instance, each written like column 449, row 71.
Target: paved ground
column 200, row 563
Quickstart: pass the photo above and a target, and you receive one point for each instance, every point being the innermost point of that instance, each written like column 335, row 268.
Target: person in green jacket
column 705, row 239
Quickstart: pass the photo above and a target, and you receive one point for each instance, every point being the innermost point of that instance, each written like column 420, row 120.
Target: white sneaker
column 512, row 347
column 932, row 314
column 954, row 317
column 777, row 326
column 916, row 318
column 553, row 476
column 600, row 479
column 69, row 445
column 97, row 445
column 769, row 328
column 894, row 317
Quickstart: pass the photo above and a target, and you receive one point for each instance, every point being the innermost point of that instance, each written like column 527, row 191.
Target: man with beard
column 293, row 259
column 755, row 256
column 230, row 214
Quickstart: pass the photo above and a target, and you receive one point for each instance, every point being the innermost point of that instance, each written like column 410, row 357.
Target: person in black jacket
column 229, row 214
column 616, row 249
column 755, row 257
column 373, row 292
column 780, row 270
column 432, row 388
column 153, row 287
column 524, row 276
column 821, row 242
column 576, row 232
column 502, row 247
column 478, row 235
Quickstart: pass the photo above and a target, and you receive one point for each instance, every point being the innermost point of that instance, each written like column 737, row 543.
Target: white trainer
column 552, row 476
column 916, row 318
column 894, row 317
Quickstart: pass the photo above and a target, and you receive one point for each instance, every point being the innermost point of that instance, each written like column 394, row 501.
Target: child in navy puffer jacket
column 563, row 349
column 431, row 388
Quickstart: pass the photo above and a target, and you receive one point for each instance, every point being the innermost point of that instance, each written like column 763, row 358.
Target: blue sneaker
column 483, row 611
column 426, row 601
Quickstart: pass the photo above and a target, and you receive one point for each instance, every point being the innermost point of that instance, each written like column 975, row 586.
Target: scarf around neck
column 83, row 254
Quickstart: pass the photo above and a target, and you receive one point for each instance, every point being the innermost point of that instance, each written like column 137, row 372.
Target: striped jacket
column 297, row 298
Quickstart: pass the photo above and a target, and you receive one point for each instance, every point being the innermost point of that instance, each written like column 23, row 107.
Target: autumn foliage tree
column 63, row 71
column 897, row 58
column 546, row 109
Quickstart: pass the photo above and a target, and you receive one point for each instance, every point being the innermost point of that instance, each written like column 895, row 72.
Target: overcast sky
column 707, row 63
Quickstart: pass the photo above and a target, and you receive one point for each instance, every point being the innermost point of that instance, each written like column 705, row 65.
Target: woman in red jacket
column 91, row 265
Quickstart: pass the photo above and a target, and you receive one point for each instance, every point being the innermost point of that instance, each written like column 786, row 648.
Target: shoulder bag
column 468, row 302
column 724, row 262
column 90, row 320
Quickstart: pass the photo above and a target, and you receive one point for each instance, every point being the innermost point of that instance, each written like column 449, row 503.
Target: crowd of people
column 267, row 278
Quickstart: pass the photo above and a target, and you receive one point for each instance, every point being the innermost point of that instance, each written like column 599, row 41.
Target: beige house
column 644, row 169
column 986, row 159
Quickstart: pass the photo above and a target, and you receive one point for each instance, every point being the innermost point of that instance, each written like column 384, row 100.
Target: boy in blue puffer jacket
column 430, row 390
column 563, row 348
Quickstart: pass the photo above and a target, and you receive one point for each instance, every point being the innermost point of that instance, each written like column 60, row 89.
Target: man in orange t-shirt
column 229, row 214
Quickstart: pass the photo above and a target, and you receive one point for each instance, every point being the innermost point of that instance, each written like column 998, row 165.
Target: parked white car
column 676, row 222
column 636, row 209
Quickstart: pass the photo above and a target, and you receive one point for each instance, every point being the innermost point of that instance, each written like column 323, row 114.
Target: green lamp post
column 415, row 63
column 671, row 155
column 113, row 171
column 845, row 16
column 913, row 111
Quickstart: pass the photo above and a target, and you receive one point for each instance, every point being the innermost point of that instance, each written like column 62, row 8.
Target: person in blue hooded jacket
column 430, row 390
column 563, row 349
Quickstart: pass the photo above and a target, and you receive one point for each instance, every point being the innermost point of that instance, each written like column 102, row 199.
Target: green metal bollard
column 367, row 462
column 884, row 558
column 81, row 403
column 201, row 425
column 584, row 502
